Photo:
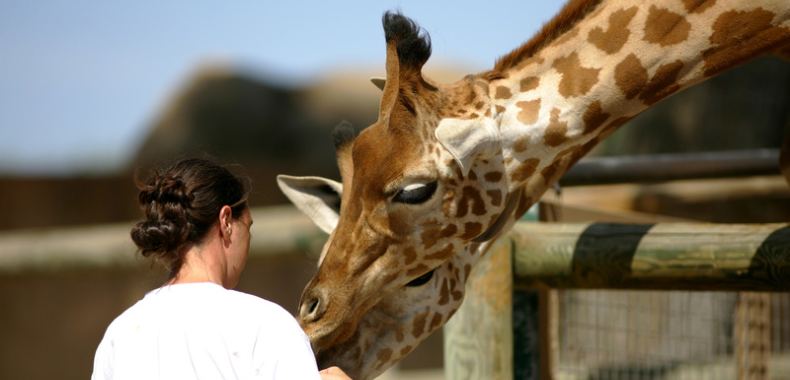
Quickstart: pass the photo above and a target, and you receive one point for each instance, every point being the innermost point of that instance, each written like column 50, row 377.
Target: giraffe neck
column 616, row 60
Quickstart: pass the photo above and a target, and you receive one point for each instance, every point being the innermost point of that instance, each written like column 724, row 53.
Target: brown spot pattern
column 594, row 117
column 529, row 83
column 663, row 84
column 502, row 92
column 448, row 231
column 576, row 80
column 740, row 36
column 384, row 354
column 436, row 321
column 521, row 143
column 470, row 194
column 418, row 329
column 560, row 161
column 525, row 170
column 496, row 197
column 556, row 130
column 529, row 111
column 409, row 255
column 698, row 6
column 630, row 76
column 442, row 254
column 494, row 176
column 444, row 293
column 428, row 238
column 457, row 295
column 500, row 109
column 665, row 28
column 472, row 230
column 613, row 39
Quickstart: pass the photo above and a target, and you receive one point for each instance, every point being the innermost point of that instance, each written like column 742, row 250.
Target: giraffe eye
column 422, row 280
column 416, row 193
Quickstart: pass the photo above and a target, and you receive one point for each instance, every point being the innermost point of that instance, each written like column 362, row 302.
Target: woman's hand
column 333, row 373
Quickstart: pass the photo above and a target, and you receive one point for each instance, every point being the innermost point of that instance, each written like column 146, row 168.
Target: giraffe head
column 447, row 168
column 423, row 189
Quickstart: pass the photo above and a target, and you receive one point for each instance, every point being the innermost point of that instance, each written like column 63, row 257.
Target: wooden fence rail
column 277, row 230
column 479, row 339
column 668, row 256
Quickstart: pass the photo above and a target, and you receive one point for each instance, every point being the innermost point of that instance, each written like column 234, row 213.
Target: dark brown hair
column 181, row 204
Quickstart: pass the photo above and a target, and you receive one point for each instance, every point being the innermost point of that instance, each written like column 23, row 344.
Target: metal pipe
column 670, row 167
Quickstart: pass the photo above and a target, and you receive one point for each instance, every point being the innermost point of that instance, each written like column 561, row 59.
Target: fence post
column 478, row 340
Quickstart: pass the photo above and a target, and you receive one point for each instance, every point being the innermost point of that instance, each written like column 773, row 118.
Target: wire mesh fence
column 677, row 335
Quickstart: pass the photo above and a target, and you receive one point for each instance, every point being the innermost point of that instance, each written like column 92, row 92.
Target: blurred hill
column 236, row 117
column 267, row 130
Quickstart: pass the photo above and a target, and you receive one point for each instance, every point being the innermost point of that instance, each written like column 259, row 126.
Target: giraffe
column 447, row 168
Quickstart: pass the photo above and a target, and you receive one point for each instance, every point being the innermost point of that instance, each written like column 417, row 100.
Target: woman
column 195, row 326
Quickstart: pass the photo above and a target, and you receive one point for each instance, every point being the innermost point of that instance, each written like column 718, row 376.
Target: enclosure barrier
column 480, row 342
column 277, row 230
column 672, row 167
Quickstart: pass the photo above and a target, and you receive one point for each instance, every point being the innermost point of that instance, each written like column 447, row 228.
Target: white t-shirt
column 204, row 331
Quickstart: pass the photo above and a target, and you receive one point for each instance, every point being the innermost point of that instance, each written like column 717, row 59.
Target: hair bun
column 164, row 190
column 157, row 237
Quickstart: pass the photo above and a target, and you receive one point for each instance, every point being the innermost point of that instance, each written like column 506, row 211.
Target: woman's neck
column 202, row 264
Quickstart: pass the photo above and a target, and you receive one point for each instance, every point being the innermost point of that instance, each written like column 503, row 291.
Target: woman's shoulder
column 255, row 304
column 212, row 301
column 266, row 317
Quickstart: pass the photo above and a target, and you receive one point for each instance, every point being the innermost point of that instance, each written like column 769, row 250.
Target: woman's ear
column 225, row 219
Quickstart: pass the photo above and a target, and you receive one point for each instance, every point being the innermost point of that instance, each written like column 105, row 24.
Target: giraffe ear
column 469, row 140
column 318, row 198
column 379, row 82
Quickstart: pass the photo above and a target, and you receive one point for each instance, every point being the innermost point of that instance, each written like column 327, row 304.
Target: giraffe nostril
column 313, row 306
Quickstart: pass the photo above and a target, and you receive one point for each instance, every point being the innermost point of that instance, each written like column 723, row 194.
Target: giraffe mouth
column 326, row 336
column 337, row 335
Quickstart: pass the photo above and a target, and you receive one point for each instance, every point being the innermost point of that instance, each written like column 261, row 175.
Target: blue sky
column 80, row 81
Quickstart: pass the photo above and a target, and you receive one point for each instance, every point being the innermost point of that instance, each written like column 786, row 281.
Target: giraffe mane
column 573, row 12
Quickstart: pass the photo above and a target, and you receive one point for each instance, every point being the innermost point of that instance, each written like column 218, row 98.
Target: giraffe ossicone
column 447, row 168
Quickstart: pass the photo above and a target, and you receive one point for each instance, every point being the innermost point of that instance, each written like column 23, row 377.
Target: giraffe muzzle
column 324, row 326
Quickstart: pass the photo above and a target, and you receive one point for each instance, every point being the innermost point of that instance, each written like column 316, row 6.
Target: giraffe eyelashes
column 422, row 280
column 416, row 193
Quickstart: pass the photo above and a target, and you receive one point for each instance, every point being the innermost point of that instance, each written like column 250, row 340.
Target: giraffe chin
column 396, row 325
column 365, row 356
column 343, row 355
